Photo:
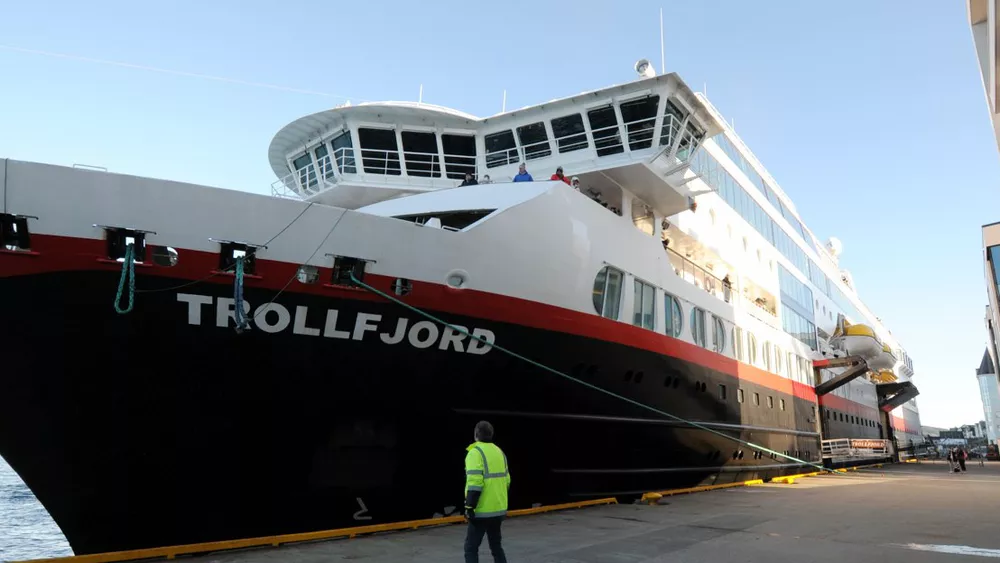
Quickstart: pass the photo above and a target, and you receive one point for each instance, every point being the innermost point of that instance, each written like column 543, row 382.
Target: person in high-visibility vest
column 487, row 480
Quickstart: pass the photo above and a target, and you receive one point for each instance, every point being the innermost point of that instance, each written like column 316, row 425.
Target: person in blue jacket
column 522, row 175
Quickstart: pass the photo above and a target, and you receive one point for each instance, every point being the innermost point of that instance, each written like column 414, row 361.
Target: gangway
column 845, row 450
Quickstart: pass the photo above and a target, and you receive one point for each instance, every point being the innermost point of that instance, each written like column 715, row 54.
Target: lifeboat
column 857, row 340
column 883, row 376
column 884, row 361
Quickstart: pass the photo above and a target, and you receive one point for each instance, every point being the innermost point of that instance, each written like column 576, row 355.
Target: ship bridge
column 637, row 136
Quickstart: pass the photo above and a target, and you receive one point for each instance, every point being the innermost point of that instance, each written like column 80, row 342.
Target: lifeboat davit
column 885, row 360
column 857, row 340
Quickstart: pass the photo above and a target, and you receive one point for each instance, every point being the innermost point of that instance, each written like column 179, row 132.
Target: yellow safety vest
column 486, row 470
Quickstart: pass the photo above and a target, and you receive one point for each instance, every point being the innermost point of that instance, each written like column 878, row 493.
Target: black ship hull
column 160, row 427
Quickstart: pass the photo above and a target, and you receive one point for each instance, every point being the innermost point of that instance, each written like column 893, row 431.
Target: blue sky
column 871, row 115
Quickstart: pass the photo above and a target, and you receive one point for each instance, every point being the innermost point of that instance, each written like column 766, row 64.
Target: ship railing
column 700, row 277
column 421, row 169
column 703, row 279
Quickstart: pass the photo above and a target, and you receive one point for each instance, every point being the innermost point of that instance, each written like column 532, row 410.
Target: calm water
column 26, row 530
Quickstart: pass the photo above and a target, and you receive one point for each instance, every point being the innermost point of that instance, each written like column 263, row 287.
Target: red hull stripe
column 850, row 407
column 55, row 254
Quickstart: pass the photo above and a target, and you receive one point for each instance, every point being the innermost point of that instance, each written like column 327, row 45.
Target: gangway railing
column 845, row 449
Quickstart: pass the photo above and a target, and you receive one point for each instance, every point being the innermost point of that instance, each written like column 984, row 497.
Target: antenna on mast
column 420, row 99
column 663, row 64
column 503, row 106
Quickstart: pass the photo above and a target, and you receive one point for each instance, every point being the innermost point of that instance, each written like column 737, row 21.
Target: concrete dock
column 909, row 512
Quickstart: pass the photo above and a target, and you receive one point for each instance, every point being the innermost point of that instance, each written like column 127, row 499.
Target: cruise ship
column 185, row 363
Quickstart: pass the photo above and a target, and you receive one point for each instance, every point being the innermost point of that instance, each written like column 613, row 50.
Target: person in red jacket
column 559, row 176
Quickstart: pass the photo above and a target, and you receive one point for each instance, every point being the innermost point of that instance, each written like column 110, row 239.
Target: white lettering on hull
column 273, row 318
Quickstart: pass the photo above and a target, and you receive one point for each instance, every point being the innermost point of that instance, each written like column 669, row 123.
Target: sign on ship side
column 274, row 318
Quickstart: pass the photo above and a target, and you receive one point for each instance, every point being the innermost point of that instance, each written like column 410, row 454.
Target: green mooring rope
column 554, row 371
column 128, row 269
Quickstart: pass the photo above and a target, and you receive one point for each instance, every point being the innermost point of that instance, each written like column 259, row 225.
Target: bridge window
column 501, row 149
column 534, row 141
column 343, row 153
column 570, row 133
column 379, row 151
column 673, row 315
column 604, row 127
column 323, row 162
column 644, row 307
column 608, row 292
column 640, row 121
column 673, row 117
column 307, row 173
column 459, row 155
column 420, row 153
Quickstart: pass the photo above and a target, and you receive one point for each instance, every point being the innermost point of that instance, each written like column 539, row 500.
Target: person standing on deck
column 522, row 174
column 487, row 480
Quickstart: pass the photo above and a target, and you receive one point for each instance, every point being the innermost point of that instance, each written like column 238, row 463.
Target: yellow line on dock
column 173, row 551
column 654, row 496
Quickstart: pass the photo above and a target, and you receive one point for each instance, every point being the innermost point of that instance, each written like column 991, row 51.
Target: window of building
column 639, row 117
column 767, row 355
column 534, row 141
column 379, row 151
column 673, row 315
column 604, row 129
column 698, row 332
column 756, row 399
column 569, row 132
column 770, row 402
column 751, row 348
column 420, row 154
column 501, row 149
column 608, row 292
column 739, row 395
column 722, row 392
column 778, row 356
column 782, row 404
column 719, row 335
column 459, row 155
column 644, row 306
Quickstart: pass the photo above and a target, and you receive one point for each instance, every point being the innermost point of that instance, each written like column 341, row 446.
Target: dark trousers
column 474, row 537
column 961, row 463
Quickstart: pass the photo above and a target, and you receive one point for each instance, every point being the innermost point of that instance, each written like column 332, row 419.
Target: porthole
column 667, row 380
column 457, row 279
column 677, row 382
column 638, row 377
column 627, row 376
column 740, row 456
